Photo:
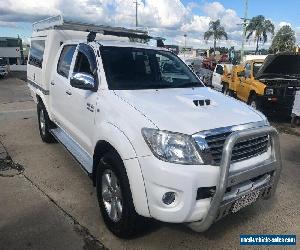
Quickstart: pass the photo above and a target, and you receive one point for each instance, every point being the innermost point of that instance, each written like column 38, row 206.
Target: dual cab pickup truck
column 268, row 85
column 156, row 145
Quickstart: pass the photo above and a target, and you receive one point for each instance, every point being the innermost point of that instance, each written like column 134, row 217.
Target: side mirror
column 83, row 81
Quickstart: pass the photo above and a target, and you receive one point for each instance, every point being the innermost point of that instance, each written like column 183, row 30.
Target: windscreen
column 134, row 68
column 256, row 67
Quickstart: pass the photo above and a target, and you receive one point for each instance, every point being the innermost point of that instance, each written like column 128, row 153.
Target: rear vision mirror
column 83, row 81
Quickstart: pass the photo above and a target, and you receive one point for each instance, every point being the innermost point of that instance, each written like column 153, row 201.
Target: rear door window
column 219, row 69
column 36, row 53
column 65, row 59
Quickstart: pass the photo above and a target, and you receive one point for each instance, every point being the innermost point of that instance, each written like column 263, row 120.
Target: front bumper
column 3, row 73
column 161, row 177
column 276, row 104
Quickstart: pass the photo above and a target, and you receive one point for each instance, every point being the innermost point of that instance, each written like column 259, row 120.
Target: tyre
column 115, row 198
column 45, row 124
column 226, row 90
column 253, row 102
column 295, row 121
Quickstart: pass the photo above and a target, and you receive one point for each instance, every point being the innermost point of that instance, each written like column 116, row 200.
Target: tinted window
column 133, row 68
column 65, row 60
column 82, row 64
column 167, row 66
column 36, row 53
column 3, row 61
column 219, row 70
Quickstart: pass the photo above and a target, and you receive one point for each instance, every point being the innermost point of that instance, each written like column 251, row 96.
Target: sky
column 167, row 18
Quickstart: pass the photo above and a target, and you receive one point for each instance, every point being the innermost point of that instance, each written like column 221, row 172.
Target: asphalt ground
column 48, row 202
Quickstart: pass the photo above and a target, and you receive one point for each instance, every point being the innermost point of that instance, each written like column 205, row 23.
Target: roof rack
column 58, row 23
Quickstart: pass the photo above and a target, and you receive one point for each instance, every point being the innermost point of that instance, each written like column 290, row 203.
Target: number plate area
column 245, row 201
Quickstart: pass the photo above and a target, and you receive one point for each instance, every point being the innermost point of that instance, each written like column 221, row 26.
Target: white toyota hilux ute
column 155, row 141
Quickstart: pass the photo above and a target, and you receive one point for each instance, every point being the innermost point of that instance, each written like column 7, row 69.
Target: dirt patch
column 9, row 169
column 18, row 74
column 90, row 242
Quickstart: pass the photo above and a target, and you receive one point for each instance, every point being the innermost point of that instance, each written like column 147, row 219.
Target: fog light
column 168, row 198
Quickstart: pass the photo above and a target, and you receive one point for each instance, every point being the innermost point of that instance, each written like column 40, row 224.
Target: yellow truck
column 230, row 80
column 268, row 85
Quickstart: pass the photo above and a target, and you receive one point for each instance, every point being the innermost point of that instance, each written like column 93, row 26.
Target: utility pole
column 21, row 49
column 136, row 12
column 244, row 28
column 185, row 35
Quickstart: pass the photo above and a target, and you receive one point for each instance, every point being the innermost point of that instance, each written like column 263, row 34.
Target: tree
column 216, row 31
column 284, row 40
column 259, row 27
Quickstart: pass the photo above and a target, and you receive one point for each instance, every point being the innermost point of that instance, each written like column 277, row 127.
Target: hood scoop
column 203, row 102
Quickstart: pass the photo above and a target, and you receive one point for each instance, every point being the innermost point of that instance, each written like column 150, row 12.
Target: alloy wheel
column 42, row 122
column 112, row 195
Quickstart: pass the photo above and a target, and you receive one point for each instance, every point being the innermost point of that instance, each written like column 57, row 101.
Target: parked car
column 219, row 71
column 295, row 121
column 3, row 67
column 269, row 85
column 155, row 144
column 209, row 63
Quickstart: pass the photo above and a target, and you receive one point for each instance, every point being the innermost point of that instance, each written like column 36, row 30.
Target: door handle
column 68, row 92
column 52, row 83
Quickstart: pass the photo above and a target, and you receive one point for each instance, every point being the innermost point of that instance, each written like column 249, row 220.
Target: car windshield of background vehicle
column 134, row 68
column 2, row 62
column 256, row 67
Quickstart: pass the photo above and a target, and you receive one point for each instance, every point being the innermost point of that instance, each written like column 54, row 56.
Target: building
column 173, row 48
column 11, row 49
column 191, row 52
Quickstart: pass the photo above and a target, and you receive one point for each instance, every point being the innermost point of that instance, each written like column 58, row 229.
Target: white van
column 155, row 141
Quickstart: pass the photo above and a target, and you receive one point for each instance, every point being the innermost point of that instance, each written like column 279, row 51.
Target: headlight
column 172, row 147
column 269, row 91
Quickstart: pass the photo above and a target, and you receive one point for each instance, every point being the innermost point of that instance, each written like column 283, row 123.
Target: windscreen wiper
column 189, row 84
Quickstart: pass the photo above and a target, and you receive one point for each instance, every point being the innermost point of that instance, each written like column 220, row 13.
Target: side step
column 78, row 153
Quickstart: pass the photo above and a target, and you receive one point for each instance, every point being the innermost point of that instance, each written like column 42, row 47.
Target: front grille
column 241, row 151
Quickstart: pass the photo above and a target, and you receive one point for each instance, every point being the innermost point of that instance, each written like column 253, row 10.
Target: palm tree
column 217, row 31
column 260, row 27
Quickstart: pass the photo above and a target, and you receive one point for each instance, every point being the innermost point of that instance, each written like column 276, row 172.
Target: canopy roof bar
column 58, row 23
